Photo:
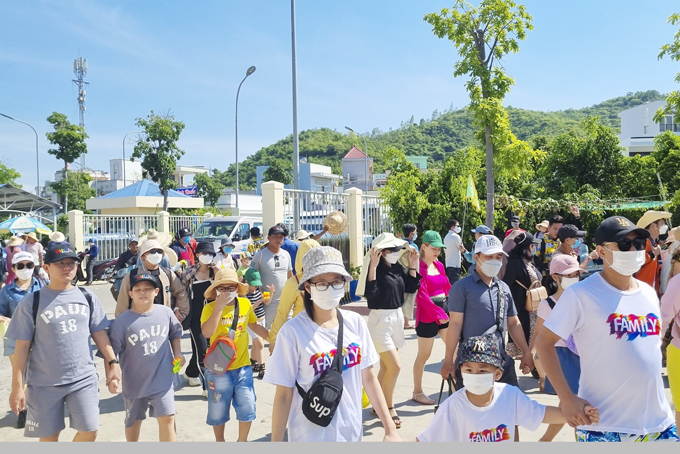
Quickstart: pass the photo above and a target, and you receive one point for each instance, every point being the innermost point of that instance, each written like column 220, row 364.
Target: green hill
column 435, row 138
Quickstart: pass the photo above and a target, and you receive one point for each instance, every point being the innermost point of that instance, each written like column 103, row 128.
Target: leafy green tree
column 208, row 188
column 70, row 142
column 280, row 171
column 639, row 178
column 8, row 175
column 483, row 36
column 671, row 50
column 667, row 155
column 76, row 188
column 159, row 151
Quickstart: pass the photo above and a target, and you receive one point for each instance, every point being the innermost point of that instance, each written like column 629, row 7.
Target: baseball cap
column 60, row 252
column 253, row 277
column 565, row 264
column 514, row 219
column 488, row 245
column 480, row 349
column 616, row 227
column 482, row 229
column 570, row 231
column 433, row 239
column 181, row 233
column 277, row 229
column 143, row 278
column 523, row 237
column 22, row 256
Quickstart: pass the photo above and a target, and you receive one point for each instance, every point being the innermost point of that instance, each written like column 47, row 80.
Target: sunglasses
column 156, row 251
column 21, row 266
column 276, row 261
column 624, row 244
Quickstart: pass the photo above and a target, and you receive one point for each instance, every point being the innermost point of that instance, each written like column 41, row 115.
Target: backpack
column 321, row 400
column 36, row 305
column 222, row 352
column 551, row 302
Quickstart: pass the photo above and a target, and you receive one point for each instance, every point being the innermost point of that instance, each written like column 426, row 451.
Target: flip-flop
column 396, row 419
column 429, row 401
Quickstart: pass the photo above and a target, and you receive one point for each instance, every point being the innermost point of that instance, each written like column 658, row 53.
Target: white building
column 357, row 171
column 638, row 128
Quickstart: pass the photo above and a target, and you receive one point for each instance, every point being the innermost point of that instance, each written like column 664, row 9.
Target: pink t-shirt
column 431, row 285
column 543, row 312
column 670, row 309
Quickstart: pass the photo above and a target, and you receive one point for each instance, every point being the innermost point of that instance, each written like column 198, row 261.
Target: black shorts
column 429, row 330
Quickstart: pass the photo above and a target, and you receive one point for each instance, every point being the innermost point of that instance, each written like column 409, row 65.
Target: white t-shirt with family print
column 617, row 334
column 457, row 419
column 303, row 351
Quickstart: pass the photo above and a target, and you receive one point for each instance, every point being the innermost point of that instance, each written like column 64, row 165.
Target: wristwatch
column 113, row 361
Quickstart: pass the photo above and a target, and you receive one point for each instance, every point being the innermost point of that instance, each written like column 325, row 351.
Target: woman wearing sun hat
column 305, row 348
column 13, row 247
column 432, row 317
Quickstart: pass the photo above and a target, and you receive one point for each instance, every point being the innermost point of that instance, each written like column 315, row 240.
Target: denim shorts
column 235, row 388
column 570, row 363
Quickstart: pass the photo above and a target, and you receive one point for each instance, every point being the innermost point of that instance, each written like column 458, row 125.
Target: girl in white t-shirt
column 305, row 347
column 565, row 271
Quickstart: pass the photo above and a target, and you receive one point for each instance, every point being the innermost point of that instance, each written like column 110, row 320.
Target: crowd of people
column 597, row 342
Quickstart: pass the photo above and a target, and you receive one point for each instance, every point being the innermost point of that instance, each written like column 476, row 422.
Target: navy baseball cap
column 143, row 278
column 615, row 228
column 59, row 252
column 276, row 230
column 482, row 229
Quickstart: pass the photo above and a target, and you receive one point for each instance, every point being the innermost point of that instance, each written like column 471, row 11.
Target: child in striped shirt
column 258, row 301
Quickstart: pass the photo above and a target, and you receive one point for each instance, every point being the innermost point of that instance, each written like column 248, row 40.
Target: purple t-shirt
column 143, row 343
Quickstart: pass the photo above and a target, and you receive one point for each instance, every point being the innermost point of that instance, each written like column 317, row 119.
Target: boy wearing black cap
column 55, row 324
column 615, row 323
column 140, row 337
column 485, row 410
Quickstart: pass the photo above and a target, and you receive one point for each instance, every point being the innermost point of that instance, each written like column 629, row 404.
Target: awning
column 638, row 205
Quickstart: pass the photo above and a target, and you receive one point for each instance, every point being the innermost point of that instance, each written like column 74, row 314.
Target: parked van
column 236, row 228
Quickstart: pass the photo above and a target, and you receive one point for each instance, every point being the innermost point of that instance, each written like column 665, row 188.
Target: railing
column 306, row 210
column 376, row 219
column 113, row 232
column 663, row 127
column 189, row 222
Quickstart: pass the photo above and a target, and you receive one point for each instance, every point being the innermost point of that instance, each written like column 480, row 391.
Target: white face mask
column 154, row 259
column 327, row 299
column 515, row 224
column 491, row 268
column 456, row 229
column 230, row 295
column 663, row 229
column 478, row 384
column 24, row 274
column 205, row 259
column 415, row 237
column 392, row 257
column 568, row 282
column 626, row 263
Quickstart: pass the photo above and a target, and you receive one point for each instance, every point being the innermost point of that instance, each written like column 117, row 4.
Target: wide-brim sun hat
column 57, row 237
column 171, row 255
column 543, row 225
column 14, row 241
column 387, row 240
column 30, row 235
column 652, row 216
column 165, row 239
column 303, row 235
column 225, row 276
column 321, row 260
column 673, row 235
column 336, row 222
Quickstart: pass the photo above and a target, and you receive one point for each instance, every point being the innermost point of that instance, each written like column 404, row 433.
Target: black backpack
column 321, row 401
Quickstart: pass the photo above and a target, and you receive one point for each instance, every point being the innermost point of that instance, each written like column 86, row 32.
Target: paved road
column 192, row 408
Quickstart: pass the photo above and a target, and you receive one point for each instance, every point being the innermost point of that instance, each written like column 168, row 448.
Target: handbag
column 535, row 294
column 222, row 352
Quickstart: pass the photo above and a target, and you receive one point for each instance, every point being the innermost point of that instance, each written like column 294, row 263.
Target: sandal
column 260, row 372
column 396, row 419
column 425, row 401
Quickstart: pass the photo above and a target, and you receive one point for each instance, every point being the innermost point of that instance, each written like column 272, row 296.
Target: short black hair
column 555, row 219
column 408, row 229
column 451, row 223
column 255, row 231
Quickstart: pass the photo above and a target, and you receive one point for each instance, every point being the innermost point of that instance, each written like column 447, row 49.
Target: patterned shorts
column 670, row 434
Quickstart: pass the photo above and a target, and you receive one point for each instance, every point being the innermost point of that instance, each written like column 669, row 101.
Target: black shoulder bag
column 321, row 401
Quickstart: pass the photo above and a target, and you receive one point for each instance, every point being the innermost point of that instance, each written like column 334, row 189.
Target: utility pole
column 80, row 71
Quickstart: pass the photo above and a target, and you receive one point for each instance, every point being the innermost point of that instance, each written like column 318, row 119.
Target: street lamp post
column 248, row 73
column 125, row 137
column 37, row 156
column 365, row 159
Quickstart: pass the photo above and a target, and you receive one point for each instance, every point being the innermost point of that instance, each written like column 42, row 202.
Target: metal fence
column 189, row 222
column 113, row 232
column 306, row 210
column 376, row 218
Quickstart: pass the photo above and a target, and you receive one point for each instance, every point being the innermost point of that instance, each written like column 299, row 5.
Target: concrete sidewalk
column 192, row 408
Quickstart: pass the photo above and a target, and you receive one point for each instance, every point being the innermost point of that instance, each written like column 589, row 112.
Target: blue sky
column 364, row 64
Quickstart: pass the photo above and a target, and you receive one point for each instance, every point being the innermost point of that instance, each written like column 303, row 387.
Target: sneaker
column 193, row 381
column 21, row 422
column 260, row 372
column 204, row 394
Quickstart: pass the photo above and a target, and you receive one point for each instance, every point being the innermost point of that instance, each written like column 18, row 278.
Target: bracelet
column 113, row 361
column 412, row 269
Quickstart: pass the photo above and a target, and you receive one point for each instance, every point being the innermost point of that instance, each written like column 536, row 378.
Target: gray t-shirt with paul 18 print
column 61, row 352
column 143, row 343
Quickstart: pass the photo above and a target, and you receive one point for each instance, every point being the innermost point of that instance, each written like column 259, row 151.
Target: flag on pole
column 471, row 193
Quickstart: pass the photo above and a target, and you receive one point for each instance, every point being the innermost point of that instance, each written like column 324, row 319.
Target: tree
column 159, row 151
column 667, row 155
column 8, row 175
column 208, row 188
column 671, row 50
column 70, row 142
column 483, row 36
column 280, row 171
column 76, row 188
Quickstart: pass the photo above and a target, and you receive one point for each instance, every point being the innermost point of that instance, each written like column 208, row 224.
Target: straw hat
column 171, row 255
column 14, row 241
column 165, row 239
column 336, row 222
column 57, row 237
column 303, row 235
column 673, row 235
column 224, row 276
column 543, row 226
column 387, row 240
column 30, row 235
column 652, row 216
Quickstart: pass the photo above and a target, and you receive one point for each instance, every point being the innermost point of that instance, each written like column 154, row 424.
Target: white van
column 236, row 228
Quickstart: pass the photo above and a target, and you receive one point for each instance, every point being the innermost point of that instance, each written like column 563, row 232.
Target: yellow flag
column 471, row 194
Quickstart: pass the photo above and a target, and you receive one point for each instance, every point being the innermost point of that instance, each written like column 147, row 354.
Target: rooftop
column 144, row 188
column 355, row 153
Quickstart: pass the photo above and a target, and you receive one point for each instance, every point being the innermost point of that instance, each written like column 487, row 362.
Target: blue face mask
column 415, row 237
column 186, row 239
column 578, row 243
column 227, row 250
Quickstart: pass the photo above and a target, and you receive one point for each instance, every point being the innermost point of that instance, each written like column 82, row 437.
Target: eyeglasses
column 156, row 251
column 323, row 286
column 69, row 264
column 21, row 266
column 227, row 289
column 624, row 244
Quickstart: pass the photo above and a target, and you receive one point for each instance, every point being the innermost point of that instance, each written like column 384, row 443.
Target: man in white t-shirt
column 454, row 247
column 615, row 323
